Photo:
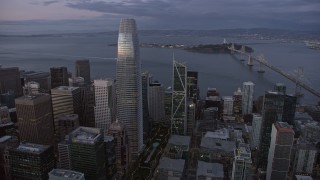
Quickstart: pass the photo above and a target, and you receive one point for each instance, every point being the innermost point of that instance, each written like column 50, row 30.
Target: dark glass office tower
column 83, row 70
column 31, row 161
column 59, row 76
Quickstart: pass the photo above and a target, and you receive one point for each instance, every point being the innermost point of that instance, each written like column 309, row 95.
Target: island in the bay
column 202, row 48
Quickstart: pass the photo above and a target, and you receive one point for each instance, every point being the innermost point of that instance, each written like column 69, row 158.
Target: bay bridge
column 260, row 59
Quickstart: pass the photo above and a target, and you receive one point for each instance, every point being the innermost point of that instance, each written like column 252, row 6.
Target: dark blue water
column 222, row 71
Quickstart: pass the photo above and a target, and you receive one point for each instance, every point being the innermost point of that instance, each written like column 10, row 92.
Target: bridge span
column 261, row 60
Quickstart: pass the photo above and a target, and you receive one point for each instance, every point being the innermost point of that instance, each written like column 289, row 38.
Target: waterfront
column 222, row 71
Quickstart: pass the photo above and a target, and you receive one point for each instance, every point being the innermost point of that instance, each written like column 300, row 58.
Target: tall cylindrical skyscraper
column 128, row 86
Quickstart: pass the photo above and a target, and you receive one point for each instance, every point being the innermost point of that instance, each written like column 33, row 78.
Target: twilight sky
column 58, row 16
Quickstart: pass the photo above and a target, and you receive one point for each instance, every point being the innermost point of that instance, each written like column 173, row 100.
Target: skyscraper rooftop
column 86, row 135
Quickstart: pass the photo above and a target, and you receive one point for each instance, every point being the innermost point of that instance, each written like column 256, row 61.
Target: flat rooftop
column 65, row 88
column 213, row 170
column 171, row 164
column 217, row 144
column 218, row 134
column 67, row 174
column 32, row 148
column 179, row 140
column 85, row 135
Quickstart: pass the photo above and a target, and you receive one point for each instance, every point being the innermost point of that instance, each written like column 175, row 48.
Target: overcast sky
column 57, row 16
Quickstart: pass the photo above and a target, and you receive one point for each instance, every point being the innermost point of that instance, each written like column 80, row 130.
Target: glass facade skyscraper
column 128, row 86
column 179, row 101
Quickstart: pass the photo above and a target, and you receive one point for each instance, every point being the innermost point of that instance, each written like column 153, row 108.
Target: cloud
column 46, row 3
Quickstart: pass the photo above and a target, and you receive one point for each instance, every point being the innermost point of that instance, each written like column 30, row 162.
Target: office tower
column 168, row 104
column 128, row 86
column 83, row 70
column 109, row 143
column 7, row 99
column 147, row 123
column 210, row 171
column 6, row 143
column 191, row 117
column 256, row 130
column 247, row 97
column 88, row 106
column 156, row 103
column 311, row 132
column 237, row 102
column 66, row 100
column 10, row 81
column 35, row 119
column 122, row 151
column 66, row 124
column 31, row 161
column 289, row 109
column 64, row 154
column 179, row 99
column 242, row 164
column 227, row 105
column 59, row 77
column 43, row 78
column 87, row 152
column 192, row 85
column 282, row 137
column 62, row 174
column 104, row 103
column 306, row 155
column 289, row 106
column 271, row 112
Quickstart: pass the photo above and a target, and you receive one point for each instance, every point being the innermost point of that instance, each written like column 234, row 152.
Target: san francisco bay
column 222, row 71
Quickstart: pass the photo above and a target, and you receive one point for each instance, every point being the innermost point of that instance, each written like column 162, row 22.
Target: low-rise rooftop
column 65, row 174
column 179, row 140
column 218, row 134
column 213, row 170
column 217, row 144
column 171, row 164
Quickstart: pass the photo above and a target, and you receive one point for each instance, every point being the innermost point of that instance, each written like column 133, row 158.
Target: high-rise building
column 31, row 161
column 237, row 102
column 43, row 78
column 109, row 143
column 10, row 81
column 282, row 136
column 256, row 130
column 35, row 120
column 66, row 100
column 64, row 154
column 119, row 133
column 191, row 117
column 128, row 86
column 66, row 124
column 83, row 70
column 104, row 103
column 192, row 85
column 87, row 152
column 147, row 123
column 156, row 102
column 6, row 143
column 306, row 155
column 7, row 99
column 271, row 112
column 59, row 77
column 179, row 99
column 247, row 97
column 242, row 164
column 227, row 105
